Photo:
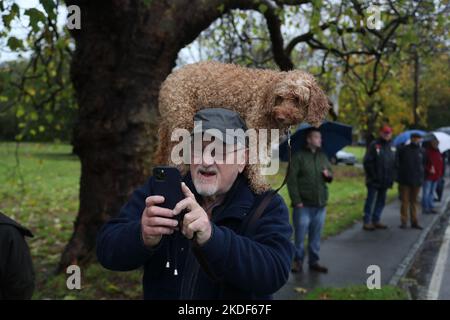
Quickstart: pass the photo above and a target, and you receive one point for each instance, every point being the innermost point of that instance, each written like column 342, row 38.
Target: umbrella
column 444, row 129
column 405, row 136
column 335, row 136
column 442, row 137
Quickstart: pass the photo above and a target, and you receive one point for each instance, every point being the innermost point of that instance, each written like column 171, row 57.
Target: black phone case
column 167, row 183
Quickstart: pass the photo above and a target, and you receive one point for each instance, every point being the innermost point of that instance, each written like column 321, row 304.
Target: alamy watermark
column 73, row 281
column 73, row 17
column 374, row 17
column 374, row 280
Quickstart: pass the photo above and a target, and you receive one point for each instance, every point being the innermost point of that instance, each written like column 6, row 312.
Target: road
column 439, row 287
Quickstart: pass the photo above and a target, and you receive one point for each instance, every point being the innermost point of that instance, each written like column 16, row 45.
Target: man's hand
column 156, row 221
column 326, row 173
column 196, row 221
column 299, row 205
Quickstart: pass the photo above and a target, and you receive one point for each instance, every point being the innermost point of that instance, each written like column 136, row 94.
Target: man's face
column 386, row 135
column 415, row 140
column 314, row 139
column 210, row 175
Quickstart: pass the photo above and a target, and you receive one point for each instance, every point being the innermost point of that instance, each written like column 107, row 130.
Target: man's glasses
column 219, row 153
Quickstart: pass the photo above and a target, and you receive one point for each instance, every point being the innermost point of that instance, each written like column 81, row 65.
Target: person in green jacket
column 309, row 173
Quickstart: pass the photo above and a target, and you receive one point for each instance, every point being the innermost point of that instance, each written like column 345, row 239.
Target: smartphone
column 167, row 183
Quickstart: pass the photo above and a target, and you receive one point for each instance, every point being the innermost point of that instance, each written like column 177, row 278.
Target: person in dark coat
column 379, row 167
column 237, row 264
column 410, row 162
column 16, row 267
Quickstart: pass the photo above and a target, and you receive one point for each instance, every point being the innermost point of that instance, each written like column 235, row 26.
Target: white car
column 343, row 157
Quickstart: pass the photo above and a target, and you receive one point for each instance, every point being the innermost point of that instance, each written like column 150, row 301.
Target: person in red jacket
column 434, row 168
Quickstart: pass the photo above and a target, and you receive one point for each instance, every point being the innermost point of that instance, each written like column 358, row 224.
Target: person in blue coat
column 210, row 255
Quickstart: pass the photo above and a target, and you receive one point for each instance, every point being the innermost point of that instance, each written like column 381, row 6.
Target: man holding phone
column 208, row 254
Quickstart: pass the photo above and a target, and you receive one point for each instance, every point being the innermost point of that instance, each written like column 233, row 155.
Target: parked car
column 343, row 157
column 361, row 142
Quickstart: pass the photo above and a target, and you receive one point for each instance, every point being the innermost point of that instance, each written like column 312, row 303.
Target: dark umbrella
column 335, row 136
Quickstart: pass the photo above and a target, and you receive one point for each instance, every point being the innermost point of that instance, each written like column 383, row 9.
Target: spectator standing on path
column 409, row 164
column 434, row 167
column 379, row 167
column 310, row 171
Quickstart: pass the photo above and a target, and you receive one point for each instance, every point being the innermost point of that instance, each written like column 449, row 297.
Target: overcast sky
column 20, row 27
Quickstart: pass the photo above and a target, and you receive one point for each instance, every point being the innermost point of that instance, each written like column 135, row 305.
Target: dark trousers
column 440, row 188
column 372, row 213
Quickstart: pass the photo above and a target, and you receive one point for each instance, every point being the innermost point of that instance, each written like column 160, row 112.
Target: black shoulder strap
column 255, row 213
column 261, row 203
column 204, row 263
column 266, row 197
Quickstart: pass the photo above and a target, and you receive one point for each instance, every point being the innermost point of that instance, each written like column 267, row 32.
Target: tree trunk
column 371, row 120
column 416, row 89
column 124, row 50
column 117, row 68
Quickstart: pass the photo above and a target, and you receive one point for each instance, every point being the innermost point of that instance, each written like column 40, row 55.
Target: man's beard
column 205, row 188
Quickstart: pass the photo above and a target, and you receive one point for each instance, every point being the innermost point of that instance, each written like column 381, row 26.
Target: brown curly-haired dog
column 264, row 98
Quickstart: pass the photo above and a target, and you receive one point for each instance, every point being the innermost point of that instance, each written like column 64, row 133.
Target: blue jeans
column 308, row 220
column 373, row 213
column 428, row 189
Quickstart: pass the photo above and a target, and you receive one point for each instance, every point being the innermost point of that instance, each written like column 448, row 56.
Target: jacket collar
column 413, row 145
column 318, row 150
column 382, row 141
column 238, row 200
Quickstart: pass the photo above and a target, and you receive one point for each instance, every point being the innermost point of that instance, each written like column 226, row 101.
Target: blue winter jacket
column 250, row 266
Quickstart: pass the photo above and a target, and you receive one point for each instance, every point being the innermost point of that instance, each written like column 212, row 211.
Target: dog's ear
column 268, row 102
column 318, row 104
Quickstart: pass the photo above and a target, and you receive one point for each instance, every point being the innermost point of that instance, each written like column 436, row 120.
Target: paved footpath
column 348, row 254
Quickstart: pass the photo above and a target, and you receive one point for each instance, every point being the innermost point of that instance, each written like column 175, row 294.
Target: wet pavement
column 349, row 254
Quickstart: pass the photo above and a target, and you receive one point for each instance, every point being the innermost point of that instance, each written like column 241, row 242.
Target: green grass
column 357, row 293
column 41, row 192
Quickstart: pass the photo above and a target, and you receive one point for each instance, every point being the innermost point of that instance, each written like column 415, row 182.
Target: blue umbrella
column 335, row 136
column 405, row 136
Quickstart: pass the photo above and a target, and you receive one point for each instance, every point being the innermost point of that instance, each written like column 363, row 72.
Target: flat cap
column 223, row 124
